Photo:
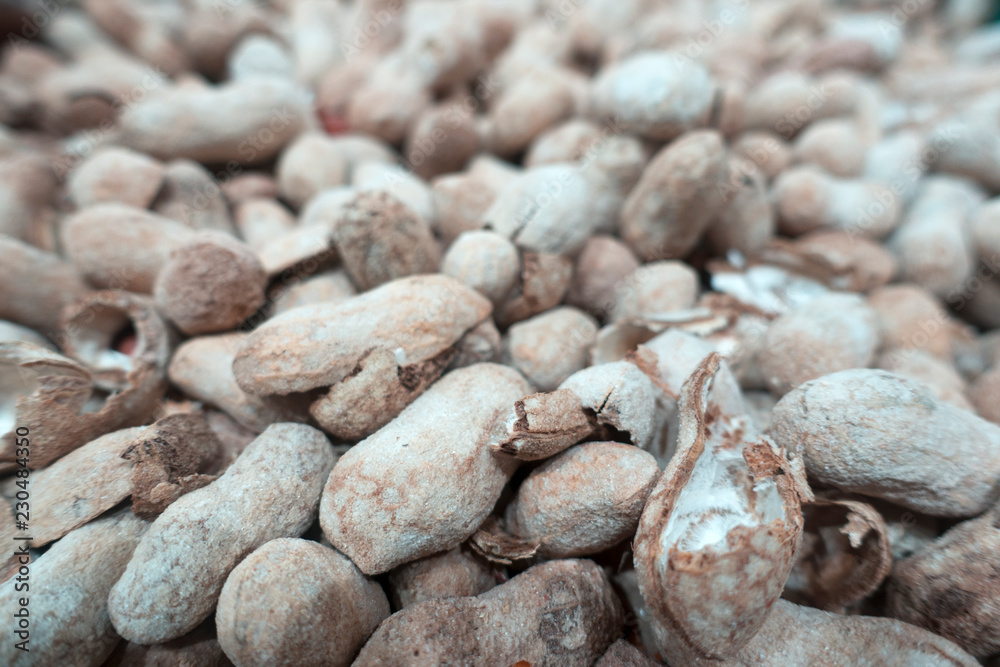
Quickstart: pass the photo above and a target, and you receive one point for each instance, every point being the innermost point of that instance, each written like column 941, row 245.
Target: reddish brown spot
column 127, row 343
column 332, row 122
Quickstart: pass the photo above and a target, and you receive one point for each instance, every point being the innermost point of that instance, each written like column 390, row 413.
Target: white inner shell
column 714, row 501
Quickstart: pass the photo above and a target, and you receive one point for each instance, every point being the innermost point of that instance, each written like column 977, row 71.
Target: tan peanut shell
column 676, row 198
column 295, row 602
column 562, row 612
column 453, row 573
column 317, row 346
column 443, row 480
column 847, row 426
column 950, row 586
column 68, row 594
column 583, row 500
column 173, row 581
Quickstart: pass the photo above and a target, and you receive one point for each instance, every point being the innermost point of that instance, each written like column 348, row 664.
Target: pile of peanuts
column 500, row 333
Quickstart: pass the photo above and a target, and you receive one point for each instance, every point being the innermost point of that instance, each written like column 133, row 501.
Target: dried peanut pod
column 529, row 106
column 389, row 100
column 333, row 338
column 562, row 611
column 932, row 246
column 857, row 264
column 762, row 150
column 807, row 199
column 550, row 347
column 541, row 425
column 937, row 374
column 676, row 198
column 143, row 243
column 259, row 55
column 379, row 239
column 246, row 122
column 622, row 398
column 190, row 195
column 461, row 201
column 655, row 288
column 718, row 536
column 249, row 185
column 485, row 261
column 845, row 555
column 658, row 95
column 442, row 140
column 544, row 279
column 544, row 210
column 895, row 161
column 787, row 101
column 479, row 345
column 449, row 574
column 796, row 635
column 602, row 265
column 444, row 479
column 81, row 485
column 69, row 595
column 883, row 435
column 174, row 578
column 115, row 174
column 310, row 164
column 568, row 141
column 984, row 230
column 210, row 284
column 910, row 318
column 261, row 221
column 950, row 586
column 402, row 184
column 623, row 654
column 198, row 648
column 294, row 602
column 832, row 145
column 583, row 500
column 327, row 287
column 29, row 186
column 747, row 221
column 202, row 368
column 973, row 150
column 151, row 32
column 38, row 302
column 828, row 334
column 985, row 395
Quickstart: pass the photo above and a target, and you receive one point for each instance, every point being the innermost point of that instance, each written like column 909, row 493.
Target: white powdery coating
column 176, row 574
column 873, row 432
column 427, row 479
column 656, row 94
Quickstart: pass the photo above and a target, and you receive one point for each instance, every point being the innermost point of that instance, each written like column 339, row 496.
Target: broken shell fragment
column 845, row 555
column 541, row 425
column 718, row 536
